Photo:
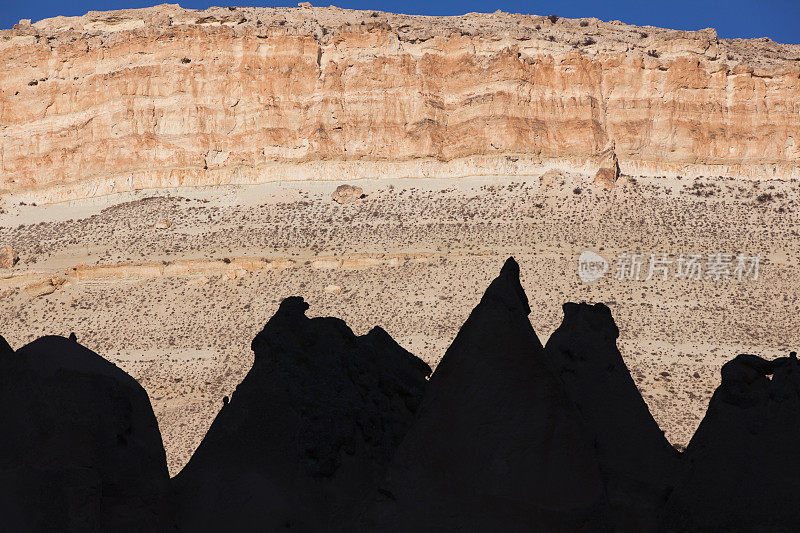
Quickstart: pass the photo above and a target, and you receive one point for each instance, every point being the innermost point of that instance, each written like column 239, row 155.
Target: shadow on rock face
column 308, row 432
column 639, row 465
column 497, row 445
column 743, row 470
column 80, row 448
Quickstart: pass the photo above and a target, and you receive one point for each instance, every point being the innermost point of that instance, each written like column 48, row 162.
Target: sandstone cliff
column 165, row 97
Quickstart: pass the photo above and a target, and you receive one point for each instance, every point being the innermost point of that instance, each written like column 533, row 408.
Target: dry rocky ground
column 413, row 256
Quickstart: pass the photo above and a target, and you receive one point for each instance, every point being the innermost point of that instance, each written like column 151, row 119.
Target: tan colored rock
column 608, row 172
column 106, row 103
column 162, row 224
column 326, row 264
column 118, row 271
column 347, row 194
column 549, row 177
column 45, row 287
column 234, row 273
column 8, row 257
column 333, row 289
column 279, row 264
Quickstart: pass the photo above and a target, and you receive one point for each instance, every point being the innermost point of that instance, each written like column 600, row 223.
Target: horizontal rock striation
column 167, row 97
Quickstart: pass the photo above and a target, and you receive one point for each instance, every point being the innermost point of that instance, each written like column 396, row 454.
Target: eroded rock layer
column 165, row 97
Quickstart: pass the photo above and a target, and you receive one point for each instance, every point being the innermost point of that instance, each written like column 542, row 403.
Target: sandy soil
column 186, row 337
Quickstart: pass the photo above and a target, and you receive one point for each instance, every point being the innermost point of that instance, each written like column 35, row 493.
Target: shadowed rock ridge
column 80, row 448
column 308, row 432
column 497, row 446
column 743, row 471
column 637, row 462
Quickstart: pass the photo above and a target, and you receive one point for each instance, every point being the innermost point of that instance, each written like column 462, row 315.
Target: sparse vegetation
column 205, row 320
column 764, row 197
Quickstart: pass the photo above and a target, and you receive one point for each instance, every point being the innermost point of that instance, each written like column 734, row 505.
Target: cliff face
column 164, row 97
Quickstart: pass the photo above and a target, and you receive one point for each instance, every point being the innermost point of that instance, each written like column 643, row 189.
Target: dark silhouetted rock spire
column 5, row 348
column 743, row 471
column 308, row 432
column 497, row 446
column 80, row 448
column 638, row 463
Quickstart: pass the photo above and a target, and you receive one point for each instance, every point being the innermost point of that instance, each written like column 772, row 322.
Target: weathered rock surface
column 43, row 287
column 80, row 448
column 346, row 194
column 608, row 173
column 8, row 257
column 497, row 445
column 639, row 466
column 167, row 97
column 743, row 466
column 307, row 434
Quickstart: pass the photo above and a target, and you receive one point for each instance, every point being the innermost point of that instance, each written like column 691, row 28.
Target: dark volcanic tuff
column 638, row 463
column 497, row 445
column 80, row 448
column 743, row 461
column 308, row 432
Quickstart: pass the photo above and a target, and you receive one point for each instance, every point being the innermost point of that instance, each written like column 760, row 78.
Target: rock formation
column 497, row 445
column 743, row 471
column 307, row 434
column 80, row 448
column 43, row 287
column 346, row 194
column 608, row 172
column 639, row 466
column 8, row 257
column 167, row 97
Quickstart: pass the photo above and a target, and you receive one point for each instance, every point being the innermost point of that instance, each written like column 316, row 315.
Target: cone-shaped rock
column 743, row 461
column 497, row 445
column 308, row 432
column 638, row 463
column 80, row 448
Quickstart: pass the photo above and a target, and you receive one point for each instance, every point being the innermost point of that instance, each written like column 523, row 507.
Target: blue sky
column 776, row 19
